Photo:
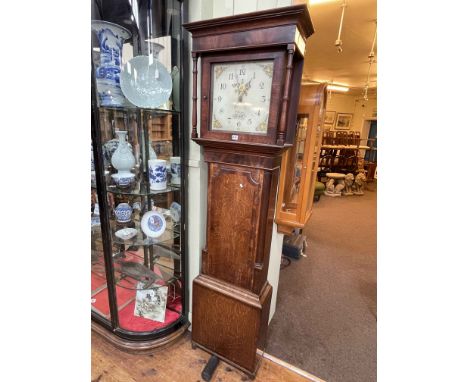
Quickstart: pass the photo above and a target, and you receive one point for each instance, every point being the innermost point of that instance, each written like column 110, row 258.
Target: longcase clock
column 251, row 67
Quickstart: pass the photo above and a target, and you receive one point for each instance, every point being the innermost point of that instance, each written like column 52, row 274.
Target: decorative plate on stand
column 153, row 224
column 146, row 82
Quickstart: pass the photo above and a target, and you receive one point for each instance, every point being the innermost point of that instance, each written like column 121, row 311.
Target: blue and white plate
column 95, row 221
column 176, row 211
column 146, row 82
column 153, row 224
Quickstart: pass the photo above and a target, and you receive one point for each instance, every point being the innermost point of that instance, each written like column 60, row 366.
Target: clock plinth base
column 230, row 322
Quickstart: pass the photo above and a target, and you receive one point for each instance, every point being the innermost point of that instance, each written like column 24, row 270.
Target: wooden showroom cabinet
column 300, row 163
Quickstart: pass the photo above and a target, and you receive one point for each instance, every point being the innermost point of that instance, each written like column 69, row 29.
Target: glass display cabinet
column 299, row 163
column 138, row 172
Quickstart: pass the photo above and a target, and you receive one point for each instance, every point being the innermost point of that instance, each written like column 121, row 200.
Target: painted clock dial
column 240, row 96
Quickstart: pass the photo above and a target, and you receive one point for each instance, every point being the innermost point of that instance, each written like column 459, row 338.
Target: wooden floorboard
column 176, row 363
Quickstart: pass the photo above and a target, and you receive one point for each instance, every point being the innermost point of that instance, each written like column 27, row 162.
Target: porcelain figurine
column 111, row 38
column 123, row 161
column 123, row 213
column 157, row 174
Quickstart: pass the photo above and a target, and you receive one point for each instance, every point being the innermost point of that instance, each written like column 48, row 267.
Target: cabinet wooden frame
column 312, row 103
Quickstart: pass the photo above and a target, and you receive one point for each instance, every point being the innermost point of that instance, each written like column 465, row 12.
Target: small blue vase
column 123, row 213
column 111, row 38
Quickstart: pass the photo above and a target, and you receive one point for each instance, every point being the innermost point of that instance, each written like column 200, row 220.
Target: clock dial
column 240, row 97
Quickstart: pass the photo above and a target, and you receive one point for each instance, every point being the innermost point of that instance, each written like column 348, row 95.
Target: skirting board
column 288, row 366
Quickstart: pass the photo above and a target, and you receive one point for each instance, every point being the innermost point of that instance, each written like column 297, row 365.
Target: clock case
column 231, row 296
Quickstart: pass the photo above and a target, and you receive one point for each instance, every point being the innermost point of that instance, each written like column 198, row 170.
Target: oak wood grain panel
column 229, row 323
column 233, row 218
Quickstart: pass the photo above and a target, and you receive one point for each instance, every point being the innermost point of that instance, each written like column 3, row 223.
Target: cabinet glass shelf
column 129, row 277
column 172, row 232
column 134, row 109
column 137, row 190
column 140, row 190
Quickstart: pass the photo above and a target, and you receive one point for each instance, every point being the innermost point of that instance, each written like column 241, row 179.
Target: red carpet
column 126, row 301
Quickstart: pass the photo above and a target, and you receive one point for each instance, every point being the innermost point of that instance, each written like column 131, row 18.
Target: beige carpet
column 325, row 322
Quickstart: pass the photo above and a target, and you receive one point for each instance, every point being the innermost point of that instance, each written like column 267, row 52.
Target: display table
column 335, row 175
column 333, row 189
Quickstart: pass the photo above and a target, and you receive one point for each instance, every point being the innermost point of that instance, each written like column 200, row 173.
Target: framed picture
column 330, row 117
column 343, row 121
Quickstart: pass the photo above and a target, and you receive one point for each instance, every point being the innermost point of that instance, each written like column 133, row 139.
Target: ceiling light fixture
column 338, row 88
column 371, row 57
column 338, row 42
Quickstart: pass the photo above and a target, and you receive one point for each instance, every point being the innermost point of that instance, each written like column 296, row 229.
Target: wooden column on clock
column 251, row 68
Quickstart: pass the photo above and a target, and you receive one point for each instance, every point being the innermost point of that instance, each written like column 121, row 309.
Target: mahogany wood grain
column 279, row 62
column 281, row 134
column 194, row 95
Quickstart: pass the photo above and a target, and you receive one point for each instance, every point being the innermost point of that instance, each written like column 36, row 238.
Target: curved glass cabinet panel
column 138, row 276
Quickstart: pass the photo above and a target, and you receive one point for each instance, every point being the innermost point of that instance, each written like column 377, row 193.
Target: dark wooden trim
column 243, row 147
column 279, row 58
column 140, row 347
column 295, row 14
column 249, row 373
column 281, row 135
column 194, row 95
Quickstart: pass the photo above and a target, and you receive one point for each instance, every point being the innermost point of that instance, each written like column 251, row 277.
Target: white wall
column 197, row 173
column 361, row 110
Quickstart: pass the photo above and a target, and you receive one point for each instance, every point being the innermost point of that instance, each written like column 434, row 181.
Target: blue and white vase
column 111, row 38
column 123, row 213
column 157, row 174
column 175, row 170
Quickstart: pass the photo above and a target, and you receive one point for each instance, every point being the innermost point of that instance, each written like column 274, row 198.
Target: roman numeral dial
column 240, row 96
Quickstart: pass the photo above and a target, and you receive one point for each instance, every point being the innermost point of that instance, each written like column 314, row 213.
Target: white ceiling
column 323, row 62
